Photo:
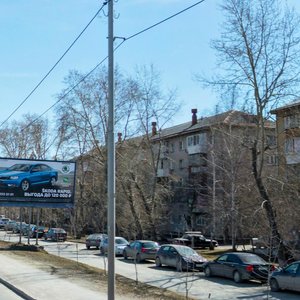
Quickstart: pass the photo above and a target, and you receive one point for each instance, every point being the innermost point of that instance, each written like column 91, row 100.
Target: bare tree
column 82, row 131
column 258, row 52
column 139, row 157
column 27, row 138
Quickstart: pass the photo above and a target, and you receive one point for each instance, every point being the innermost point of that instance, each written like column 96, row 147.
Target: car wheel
column 274, row 285
column 207, row 272
column 157, row 262
column 52, row 181
column 125, row 255
column 179, row 266
column 237, row 277
column 25, row 185
column 45, row 238
column 138, row 258
column 88, row 247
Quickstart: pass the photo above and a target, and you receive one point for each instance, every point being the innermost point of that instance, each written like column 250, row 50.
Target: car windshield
column 150, row 245
column 19, row 167
column 252, row 259
column 120, row 241
column 94, row 237
column 186, row 251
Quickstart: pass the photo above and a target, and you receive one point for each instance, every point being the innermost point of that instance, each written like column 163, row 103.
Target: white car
column 120, row 244
column 3, row 222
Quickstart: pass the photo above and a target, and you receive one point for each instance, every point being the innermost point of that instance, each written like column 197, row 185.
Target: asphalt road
column 193, row 284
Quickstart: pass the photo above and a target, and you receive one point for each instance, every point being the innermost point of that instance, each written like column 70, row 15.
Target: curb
column 16, row 290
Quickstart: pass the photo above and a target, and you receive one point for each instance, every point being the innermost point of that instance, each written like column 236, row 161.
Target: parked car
column 286, row 278
column 239, row 266
column 195, row 239
column 55, row 234
column 141, row 250
column 10, row 225
column 94, row 240
column 24, row 176
column 18, row 226
column 26, row 229
column 120, row 244
column 37, row 231
column 3, row 222
column 179, row 256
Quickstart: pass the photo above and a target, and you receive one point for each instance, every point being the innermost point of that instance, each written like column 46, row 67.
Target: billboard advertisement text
column 37, row 183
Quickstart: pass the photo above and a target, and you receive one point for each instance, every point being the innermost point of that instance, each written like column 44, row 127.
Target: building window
column 171, row 165
column 197, row 139
column 181, row 164
column 201, row 221
column 292, row 121
column 181, row 147
column 272, row 160
column 193, row 140
column 292, row 145
column 161, row 164
column 271, row 140
column 171, row 147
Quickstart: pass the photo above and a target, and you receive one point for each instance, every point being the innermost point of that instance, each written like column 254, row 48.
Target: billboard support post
column 29, row 222
column 37, row 226
column 21, row 219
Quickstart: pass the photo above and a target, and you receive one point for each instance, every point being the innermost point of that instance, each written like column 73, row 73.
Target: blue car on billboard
column 24, row 176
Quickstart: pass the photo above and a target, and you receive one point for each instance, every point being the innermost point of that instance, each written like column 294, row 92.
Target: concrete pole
column 111, row 159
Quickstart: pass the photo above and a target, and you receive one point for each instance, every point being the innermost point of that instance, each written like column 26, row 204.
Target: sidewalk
column 40, row 285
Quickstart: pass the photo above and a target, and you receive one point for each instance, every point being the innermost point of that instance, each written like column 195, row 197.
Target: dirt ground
column 87, row 276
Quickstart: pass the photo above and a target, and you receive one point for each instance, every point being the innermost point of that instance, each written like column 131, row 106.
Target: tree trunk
column 275, row 240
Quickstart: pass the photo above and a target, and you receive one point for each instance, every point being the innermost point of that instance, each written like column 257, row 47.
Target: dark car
column 94, row 240
column 24, row 176
column 141, row 250
column 287, row 278
column 179, row 256
column 239, row 266
column 55, row 234
column 195, row 239
column 37, row 231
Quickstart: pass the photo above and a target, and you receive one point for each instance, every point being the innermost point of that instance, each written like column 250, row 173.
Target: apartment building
column 203, row 159
column 288, row 136
column 204, row 166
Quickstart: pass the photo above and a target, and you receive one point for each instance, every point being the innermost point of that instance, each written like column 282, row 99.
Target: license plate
column 198, row 265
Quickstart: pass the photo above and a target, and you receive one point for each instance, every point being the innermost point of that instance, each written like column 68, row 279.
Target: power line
column 164, row 20
column 104, row 59
column 48, row 73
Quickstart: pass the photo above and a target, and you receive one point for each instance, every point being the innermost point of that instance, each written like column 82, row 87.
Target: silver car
column 120, row 244
column 287, row 278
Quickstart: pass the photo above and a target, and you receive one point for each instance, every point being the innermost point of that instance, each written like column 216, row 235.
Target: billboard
column 37, row 183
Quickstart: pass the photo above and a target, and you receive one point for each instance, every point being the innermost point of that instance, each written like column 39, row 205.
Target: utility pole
column 111, row 159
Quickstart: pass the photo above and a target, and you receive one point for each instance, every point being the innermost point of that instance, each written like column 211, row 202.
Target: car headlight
column 13, row 177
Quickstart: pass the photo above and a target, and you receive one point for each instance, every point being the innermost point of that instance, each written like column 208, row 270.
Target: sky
column 35, row 34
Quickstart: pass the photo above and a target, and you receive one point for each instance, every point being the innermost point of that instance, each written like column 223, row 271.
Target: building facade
column 208, row 166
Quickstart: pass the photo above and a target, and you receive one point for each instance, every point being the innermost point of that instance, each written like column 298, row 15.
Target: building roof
column 232, row 117
column 295, row 104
